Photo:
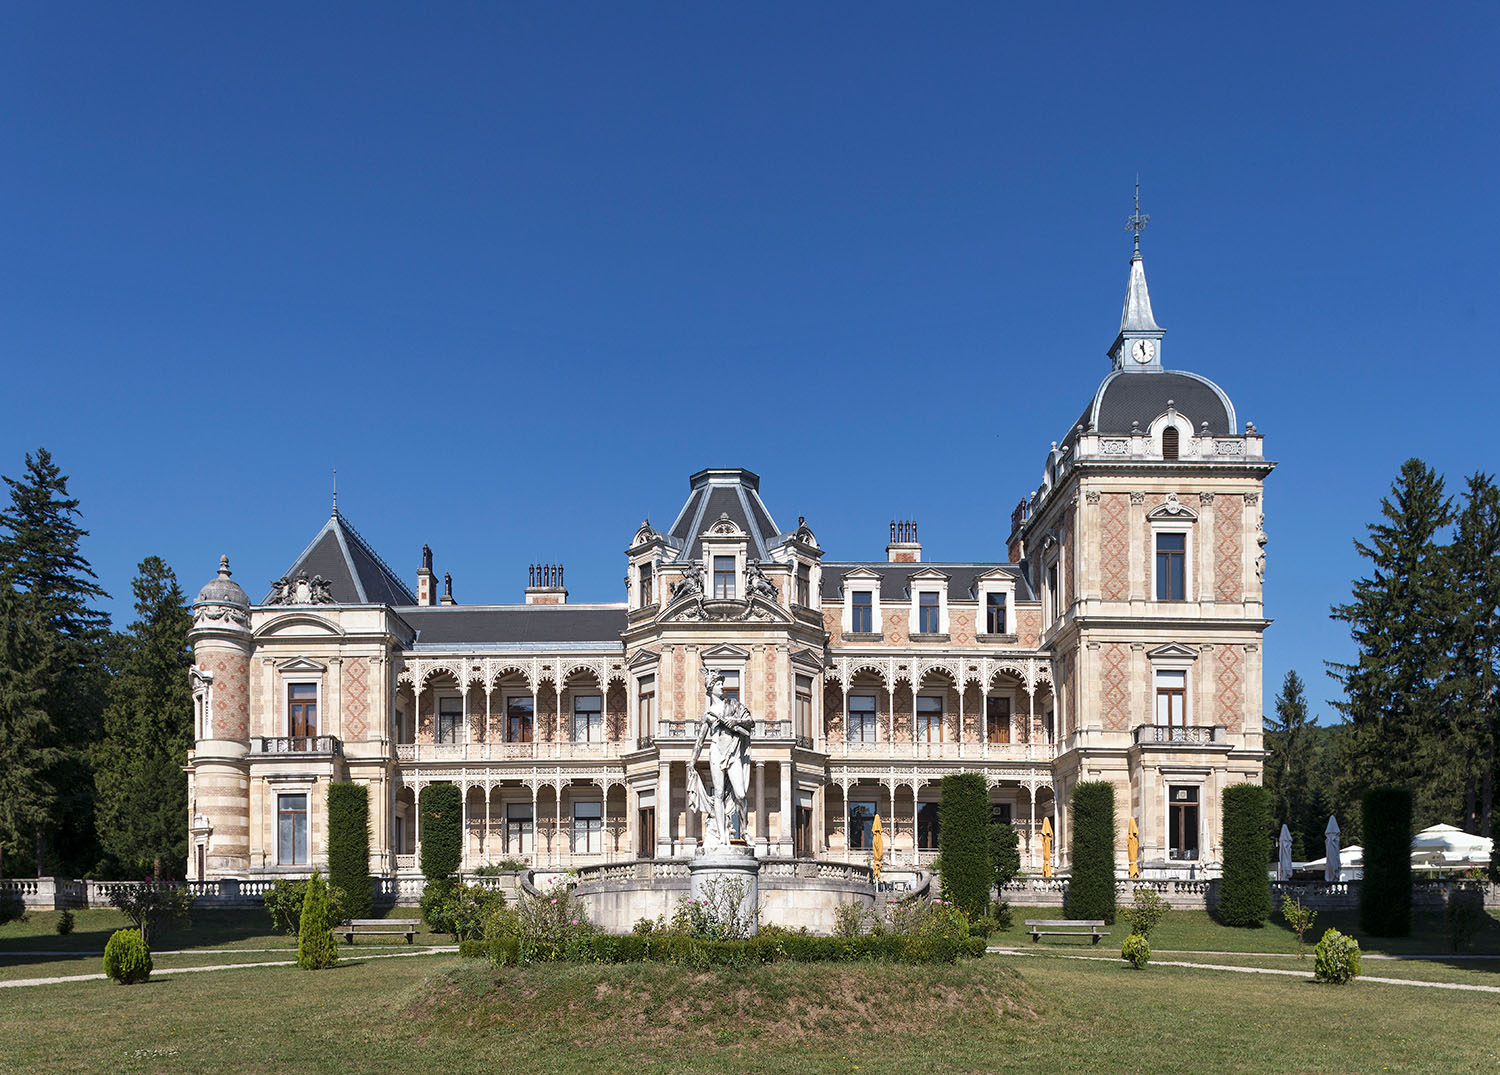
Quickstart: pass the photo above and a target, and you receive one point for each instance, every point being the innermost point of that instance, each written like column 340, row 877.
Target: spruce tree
column 1471, row 729
column 29, row 755
column 40, row 555
column 148, row 729
column 1395, row 616
column 1289, row 766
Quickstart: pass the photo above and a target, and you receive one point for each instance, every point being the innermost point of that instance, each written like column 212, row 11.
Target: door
column 647, row 828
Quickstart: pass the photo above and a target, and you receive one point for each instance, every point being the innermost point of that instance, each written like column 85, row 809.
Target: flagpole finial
column 1138, row 220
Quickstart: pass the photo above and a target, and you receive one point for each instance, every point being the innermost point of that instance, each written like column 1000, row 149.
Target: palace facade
column 1116, row 636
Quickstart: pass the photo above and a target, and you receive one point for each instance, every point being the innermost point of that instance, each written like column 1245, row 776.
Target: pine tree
column 148, row 729
column 1289, row 766
column 1471, row 730
column 28, row 752
column 40, row 556
column 1391, row 697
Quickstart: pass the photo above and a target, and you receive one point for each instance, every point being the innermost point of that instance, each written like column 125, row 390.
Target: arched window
column 1169, row 442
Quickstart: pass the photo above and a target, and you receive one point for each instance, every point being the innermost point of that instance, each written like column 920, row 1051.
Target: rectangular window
column 646, row 705
column 1182, row 822
column 518, row 829
column 1052, row 608
column 588, row 828
column 302, row 709
column 648, row 585
column 929, row 718
column 994, row 613
column 1171, row 698
column 731, row 685
column 1171, row 567
column 291, row 830
column 997, row 719
column 588, row 718
column 518, row 719
column 862, row 726
column 450, row 719
column 804, row 586
column 927, row 826
column 802, row 834
column 861, row 825
column 863, row 619
column 803, row 712
column 724, row 577
column 927, row 613
column 646, row 827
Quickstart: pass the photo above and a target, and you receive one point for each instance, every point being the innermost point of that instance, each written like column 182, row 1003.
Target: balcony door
column 302, row 709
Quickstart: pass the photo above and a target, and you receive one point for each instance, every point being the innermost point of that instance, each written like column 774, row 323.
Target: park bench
column 1050, row 927
column 369, row 927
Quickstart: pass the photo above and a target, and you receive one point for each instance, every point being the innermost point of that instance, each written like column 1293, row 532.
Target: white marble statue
column 725, row 728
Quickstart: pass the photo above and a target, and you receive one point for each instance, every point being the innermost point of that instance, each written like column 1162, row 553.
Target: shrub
column 1385, row 896
column 441, row 816
column 1003, row 913
column 468, row 908
column 284, row 900
column 148, row 903
column 1336, row 958
column 551, row 927
column 850, row 919
column 472, row 949
column 1245, row 889
column 1146, row 912
column 349, row 847
column 126, row 958
column 437, row 903
column 1005, row 854
column 963, row 842
column 1298, row 918
column 65, row 923
column 495, row 869
column 1136, row 951
column 316, row 948
column 1463, row 917
column 1091, row 886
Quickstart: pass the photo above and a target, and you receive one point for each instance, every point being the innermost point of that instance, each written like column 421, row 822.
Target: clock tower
column 1137, row 349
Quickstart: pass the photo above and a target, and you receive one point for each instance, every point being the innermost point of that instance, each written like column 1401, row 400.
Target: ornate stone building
column 1118, row 638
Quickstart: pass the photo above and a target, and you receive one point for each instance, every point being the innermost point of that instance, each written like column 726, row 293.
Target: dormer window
column 862, row 621
column 1169, row 442
column 724, row 578
column 927, row 612
column 804, row 585
column 994, row 613
column 647, row 585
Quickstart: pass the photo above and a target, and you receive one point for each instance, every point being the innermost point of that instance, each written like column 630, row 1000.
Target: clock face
column 1143, row 350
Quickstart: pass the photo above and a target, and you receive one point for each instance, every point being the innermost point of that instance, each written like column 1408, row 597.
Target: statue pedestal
column 711, row 871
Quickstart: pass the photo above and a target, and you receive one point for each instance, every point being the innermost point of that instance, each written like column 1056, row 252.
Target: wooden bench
column 369, row 927
column 1049, row 927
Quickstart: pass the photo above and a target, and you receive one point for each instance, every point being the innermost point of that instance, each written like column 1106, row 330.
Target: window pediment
column 1173, row 510
column 301, row 665
column 726, row 652
column 644, row 659
column 1173, row 651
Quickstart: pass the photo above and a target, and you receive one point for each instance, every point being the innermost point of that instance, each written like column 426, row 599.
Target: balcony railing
column 296, row 744
column 1177, row 733
column 508, row 751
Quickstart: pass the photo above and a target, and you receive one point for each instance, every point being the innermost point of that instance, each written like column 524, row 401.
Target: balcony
column 326, row 746
column 509, row 751
column 1179, row 735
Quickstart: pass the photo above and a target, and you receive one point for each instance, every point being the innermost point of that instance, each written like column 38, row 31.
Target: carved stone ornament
column 1137, row 498
column 757, row 584
column 1114, row 446
column 305, row 589
column 221, row 613
column 1092, row 496
column 1252, row 498
column 1205, row 499
column 690, row 585
column 1173, row 506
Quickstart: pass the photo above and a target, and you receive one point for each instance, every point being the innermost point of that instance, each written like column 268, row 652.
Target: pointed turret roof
column 1136, row 317
column 730, row 491
column 356, row 573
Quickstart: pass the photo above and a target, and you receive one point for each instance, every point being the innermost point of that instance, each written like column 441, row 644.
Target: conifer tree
column 1471, row 728
column 40, row 556
column 28, row 751
column 1290, row 766
column 148, row 729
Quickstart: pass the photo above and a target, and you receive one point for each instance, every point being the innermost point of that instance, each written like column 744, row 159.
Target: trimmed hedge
column 349, row 847
column 1091, row 885
column 441, row 817
column 1385, row 896
column 1245, row 890
column 126, row 958
column 963, row 843
column 686, row 951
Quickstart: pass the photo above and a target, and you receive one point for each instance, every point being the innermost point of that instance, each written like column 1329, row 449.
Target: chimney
column 545, row 585
column 904, row 547
column 426, row 580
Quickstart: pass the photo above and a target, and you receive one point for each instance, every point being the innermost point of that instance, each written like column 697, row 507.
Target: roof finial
column 335, row 490
column 1138, row 220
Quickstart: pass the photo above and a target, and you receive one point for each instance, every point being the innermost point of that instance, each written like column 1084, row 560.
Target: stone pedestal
column 727, row 865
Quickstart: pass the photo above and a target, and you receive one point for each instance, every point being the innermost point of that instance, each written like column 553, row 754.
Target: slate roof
column 728, row 491
column 963, row 579
column 357, row 574
column 510, row 625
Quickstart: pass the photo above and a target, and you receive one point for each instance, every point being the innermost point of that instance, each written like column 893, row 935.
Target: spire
column 1136, row 317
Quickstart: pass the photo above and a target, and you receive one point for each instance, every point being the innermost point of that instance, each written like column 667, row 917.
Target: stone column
column 664, row 809
column 762, row 819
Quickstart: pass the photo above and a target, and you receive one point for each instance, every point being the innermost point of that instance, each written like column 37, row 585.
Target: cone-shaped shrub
column 1245, row 889
column 963, row 843
column 1385, row 896
column 1091, row 885
column 316, row 947
column 126, row 958
column 349, row 846
column 441, row 811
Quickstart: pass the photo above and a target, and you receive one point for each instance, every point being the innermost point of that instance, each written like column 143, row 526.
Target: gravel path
column 16, row 983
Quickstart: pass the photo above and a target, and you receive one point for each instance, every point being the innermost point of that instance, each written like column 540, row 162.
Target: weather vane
column 1138, row 220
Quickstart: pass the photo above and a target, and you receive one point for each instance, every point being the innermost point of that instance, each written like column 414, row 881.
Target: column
column 664, row 809
column 535, row 831
column 416, row 822
column 890, row 725
column 762, row 831
column 787, row 811
column 962, row 684
column 632, row 819
column 463, row 858
column 484, row 849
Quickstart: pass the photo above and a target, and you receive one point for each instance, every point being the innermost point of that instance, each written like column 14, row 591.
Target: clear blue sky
column 518, row 270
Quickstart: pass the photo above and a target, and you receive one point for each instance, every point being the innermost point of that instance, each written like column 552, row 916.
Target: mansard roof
column 1128, row 396
column 356, row 573
column 895, row 579
column 465, row 626
column 730, row 491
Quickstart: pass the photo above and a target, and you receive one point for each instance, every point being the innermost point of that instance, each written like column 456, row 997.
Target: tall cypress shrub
column 963, row 842
column 349, row 846
column 441, row 811
column 1245, row 889
column 316, row 948
column 1091, row 885
column 1385, row 895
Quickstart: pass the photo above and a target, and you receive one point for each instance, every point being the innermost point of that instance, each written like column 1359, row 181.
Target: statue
column 281, row 592
column 756, row 583
column 725, row 728
column 691, row 584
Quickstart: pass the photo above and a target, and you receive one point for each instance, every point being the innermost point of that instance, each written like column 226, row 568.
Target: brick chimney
column 426, row 580
column 904, row 547
column 545, row 585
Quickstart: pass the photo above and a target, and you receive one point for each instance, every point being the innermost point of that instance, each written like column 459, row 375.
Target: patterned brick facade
column 1229, row 566
column 1114, row 546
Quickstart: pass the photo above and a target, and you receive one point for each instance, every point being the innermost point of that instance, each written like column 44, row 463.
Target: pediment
column 861, row 574
column 1172, row 509
column 292, row 621
column 725, row 652
column 1173, row 650
column 643, row 659
column 806, row 658
column 723, row 527
column 300, row 665
column 928, row 574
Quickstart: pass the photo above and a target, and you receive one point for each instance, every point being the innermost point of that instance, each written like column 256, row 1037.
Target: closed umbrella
column 1133, row 846
column 1046, row 847
column 1284, row 857
column 877, row 848
column 1331, row 850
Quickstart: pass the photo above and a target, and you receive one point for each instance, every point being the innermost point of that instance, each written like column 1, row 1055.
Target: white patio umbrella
column 1331, row 850
column 1284, row 855
column 1444, row 845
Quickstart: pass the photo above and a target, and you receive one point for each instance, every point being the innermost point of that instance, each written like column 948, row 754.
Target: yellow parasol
column 1046, row 847
column 877, row 848
column 1133, row 844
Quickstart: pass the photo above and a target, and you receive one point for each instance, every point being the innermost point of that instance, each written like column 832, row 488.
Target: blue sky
column 517, row 271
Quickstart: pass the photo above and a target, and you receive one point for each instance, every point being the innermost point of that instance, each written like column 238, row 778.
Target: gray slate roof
column 357, row 574
column 895, row 579
column 729, row 491
column 509, row 625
